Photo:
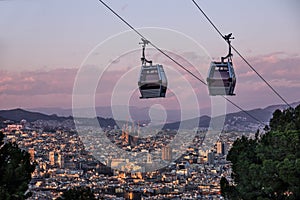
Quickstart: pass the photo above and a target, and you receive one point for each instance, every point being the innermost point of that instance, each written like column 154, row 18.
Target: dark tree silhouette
column 15, row 171
column 267, row 167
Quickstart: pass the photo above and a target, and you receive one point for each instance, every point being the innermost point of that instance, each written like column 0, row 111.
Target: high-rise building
column 211, row 158
column 51, row 158
column 60, row 160
column 149, row 158
column 203, row 154
column 166, row 153
column 129, row 135
column 220, row 148
column 31, row 153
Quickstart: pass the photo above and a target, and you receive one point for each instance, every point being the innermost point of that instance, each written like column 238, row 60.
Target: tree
column 15, row 170
column 228, row 191
column 80, row 193
column 267, row 167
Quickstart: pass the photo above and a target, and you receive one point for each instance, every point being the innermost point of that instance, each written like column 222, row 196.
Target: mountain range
column 232, row 120
column 136, row 113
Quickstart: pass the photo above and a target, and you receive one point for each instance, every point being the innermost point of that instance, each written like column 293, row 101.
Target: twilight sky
column 43, row 44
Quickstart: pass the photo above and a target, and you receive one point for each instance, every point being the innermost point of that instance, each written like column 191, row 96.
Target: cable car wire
column 157, row 48
column 177, row 63
column 243, row 58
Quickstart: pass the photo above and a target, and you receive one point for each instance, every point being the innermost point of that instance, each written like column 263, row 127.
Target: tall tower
column 125, row 134
column 211, row 158
column 220, row 148
column 51, row 158
column 166, row 153
column 31, row 152
column 60, row 160
column 133, row 127
column 149, row 158
column 138, row 129
column 203, row 155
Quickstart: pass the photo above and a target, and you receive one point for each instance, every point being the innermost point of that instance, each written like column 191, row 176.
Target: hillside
column 19, row 114
column 233, row 121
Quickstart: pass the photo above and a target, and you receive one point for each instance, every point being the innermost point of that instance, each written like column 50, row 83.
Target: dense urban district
column 65, row 159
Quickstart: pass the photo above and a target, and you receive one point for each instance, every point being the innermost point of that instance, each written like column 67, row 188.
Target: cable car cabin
column 221, row 79
column 152, row 82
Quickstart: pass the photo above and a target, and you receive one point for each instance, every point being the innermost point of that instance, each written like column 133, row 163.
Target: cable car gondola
column 221, row 77
column 153, row 80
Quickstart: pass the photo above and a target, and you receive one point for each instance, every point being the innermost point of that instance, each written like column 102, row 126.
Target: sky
column 45, row 44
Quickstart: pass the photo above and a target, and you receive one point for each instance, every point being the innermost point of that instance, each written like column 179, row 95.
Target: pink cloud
column 35, row 101
column 54, row 87
column 278, row 66
column 57, row 81
column 247, row 74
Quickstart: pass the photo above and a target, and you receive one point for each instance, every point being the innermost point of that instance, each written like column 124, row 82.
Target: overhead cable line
column 243, row 58
column 149, row 42
column 172, row 59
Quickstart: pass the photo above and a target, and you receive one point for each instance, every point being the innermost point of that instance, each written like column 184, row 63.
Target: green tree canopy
column 15, row 171
column 267, row 167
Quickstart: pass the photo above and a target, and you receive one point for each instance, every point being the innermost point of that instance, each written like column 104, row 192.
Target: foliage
column 15, row 170
column 80, row 193
column 267, row 167
column 227, row 190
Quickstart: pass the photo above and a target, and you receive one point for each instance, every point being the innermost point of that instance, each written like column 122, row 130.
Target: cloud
column 277, row 65
column 281, row 70
column 27, row 83
column 54, row 87
column 248, row 74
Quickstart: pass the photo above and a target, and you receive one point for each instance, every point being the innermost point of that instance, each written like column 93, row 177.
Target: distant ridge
column 18, row 114
column 203, row 122
column 137, row 113
column 272, row 108
column 232, row 120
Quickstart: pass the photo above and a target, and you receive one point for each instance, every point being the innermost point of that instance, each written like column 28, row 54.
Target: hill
column 19, row 114
column 233, row 121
